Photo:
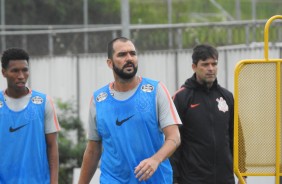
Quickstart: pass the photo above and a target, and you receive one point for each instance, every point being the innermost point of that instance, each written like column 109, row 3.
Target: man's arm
column 180, row 102
column 147, row 167
column 172, row 141
column 90, row 162
column 53, row 156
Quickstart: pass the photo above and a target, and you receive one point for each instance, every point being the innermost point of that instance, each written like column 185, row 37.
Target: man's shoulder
column 226, row 91
column 149, row 80
column 37, row 93
column 38, row 97
column 182, row 93
column 227, row 95
column 101, row 94
column 184, row 90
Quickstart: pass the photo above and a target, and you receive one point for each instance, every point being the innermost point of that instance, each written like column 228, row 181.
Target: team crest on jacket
column 147, row 88
column 222, row 105
column 102, row 96
column 37, row 100
column 1, row 104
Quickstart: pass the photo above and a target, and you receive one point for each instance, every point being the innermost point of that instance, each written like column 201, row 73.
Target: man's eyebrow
column 124, row 52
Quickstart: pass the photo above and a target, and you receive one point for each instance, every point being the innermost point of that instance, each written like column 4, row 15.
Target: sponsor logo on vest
column 119, row 123
column 37, row 100
column 17, row 128
column 102, row 96
column 147, row 88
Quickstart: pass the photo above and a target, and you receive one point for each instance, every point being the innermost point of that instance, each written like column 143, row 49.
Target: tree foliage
column 183, row 11
column 52, row 12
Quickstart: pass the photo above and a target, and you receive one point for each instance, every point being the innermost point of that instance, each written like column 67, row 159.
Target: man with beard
column 134, row 120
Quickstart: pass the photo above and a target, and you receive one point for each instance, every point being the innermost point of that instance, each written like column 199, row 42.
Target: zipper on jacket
column 211, row 103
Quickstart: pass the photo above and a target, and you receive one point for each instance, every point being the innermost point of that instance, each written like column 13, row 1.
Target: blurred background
column 67, row 42
column 69, row 27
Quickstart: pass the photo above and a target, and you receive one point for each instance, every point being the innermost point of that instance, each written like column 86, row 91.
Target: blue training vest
column 23, row 153
column 130, row 133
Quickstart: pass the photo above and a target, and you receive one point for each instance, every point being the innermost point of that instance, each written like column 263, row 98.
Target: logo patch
column 194, row 105
column 222, row 105
column 147, row 88
column 102, row 96
column 17, row 128
column 119, row 123
column 37, row 100
column 1, row 104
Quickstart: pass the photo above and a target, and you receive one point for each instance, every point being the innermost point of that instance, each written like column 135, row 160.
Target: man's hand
column 146, row 168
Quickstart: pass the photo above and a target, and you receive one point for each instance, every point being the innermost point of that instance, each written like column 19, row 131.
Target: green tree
column 71, row 140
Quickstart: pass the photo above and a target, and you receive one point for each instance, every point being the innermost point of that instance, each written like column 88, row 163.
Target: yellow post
column 257, row 115
column 266, row 28
column 278, row 89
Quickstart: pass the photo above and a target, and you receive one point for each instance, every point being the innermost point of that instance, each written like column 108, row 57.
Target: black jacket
column 205, row 153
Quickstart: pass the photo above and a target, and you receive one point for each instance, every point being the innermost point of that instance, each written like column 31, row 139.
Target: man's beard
column 123, row 74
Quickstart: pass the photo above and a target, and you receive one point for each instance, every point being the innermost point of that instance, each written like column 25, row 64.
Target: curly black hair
column 13, row 54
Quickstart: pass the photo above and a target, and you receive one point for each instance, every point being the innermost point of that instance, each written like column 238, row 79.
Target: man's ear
column 194, row 66
column 110, row 63
column 3, row 72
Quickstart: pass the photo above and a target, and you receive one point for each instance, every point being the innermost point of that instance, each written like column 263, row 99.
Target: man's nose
column 128, row 56
column 21, row 75
column 211, row 67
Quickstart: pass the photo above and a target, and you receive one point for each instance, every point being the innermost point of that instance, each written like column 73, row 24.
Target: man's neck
column 126, row 85
column 16, row 93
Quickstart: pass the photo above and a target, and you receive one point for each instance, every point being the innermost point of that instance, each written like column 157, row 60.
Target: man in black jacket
column 205, row 155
